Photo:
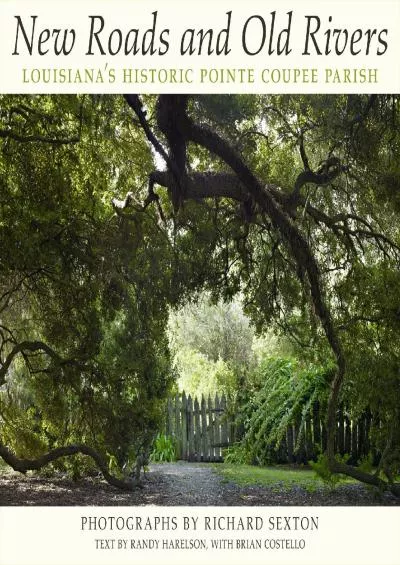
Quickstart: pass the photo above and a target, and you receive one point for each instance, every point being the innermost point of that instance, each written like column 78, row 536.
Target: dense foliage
column 284, row 397
column 83, row 306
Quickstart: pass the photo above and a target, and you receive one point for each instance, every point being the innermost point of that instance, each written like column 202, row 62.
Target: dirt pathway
column 175, row 484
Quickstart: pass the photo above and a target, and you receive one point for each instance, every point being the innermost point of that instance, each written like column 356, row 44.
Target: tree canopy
column 115, row 209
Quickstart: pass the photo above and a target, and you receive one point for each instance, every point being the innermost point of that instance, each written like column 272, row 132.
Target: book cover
column 199, row 268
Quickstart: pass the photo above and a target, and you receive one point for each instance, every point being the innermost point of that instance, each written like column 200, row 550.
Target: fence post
column 178, row 427
column 341, row 433
column 290, row 443
column 211, row 428
column 354, row 449
column 300, row 445
column 184, row 426
column 217, row 429
column 190, row 428
column 347, row 435
column 309, row 447
column 197, row 438
column 168, row 424
column 224, row 423
column 204, row 446
column 368, row 420
column 360, row 437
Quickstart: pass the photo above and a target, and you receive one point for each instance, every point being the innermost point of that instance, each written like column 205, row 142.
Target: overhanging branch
column 281, row 213
column 25, row 347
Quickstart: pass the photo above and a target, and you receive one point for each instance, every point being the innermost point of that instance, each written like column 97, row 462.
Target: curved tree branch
column 23, row 347
column 329, row 170
column 24, row 465
column 368, row 478
column 227, row 185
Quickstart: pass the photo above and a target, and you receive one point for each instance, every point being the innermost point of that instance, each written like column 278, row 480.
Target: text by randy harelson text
column 154, row 544
column 202, row 76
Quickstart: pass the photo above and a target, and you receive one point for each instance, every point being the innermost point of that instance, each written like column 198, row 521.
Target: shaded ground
column 175, row 484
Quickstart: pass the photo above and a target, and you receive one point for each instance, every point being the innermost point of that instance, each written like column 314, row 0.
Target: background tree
column 213, row 345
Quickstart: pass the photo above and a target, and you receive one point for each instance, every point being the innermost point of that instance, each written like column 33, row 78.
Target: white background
column 179, row 15
column 53, row 536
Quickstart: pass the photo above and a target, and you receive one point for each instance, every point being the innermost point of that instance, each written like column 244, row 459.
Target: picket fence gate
column 201, row 428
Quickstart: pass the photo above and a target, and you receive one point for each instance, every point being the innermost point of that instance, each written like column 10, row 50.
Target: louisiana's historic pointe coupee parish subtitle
column 199, row 303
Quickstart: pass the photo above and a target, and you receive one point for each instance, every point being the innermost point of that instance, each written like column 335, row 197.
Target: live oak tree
column 303, row 242
column 113, row 209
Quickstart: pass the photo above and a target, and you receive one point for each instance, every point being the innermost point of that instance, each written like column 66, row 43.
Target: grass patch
column 277, row 477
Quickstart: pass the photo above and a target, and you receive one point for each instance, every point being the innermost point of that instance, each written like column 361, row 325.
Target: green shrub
column 164, row 449
column 285, row 395
column 237, row 454
column 322, row 470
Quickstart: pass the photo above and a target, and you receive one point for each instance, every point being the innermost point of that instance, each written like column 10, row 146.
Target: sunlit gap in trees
column 215, row 346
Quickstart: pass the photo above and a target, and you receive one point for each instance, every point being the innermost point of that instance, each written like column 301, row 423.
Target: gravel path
column 175, row 484
column 191, row 484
